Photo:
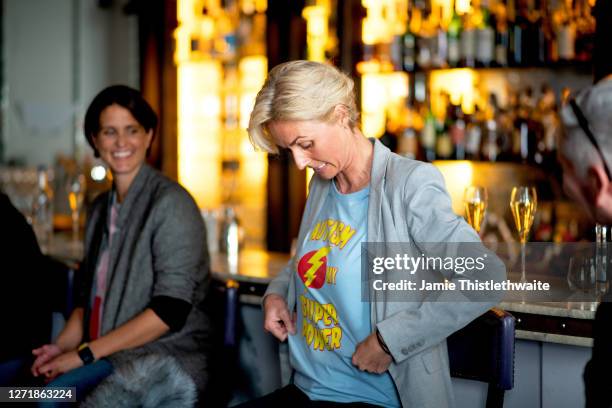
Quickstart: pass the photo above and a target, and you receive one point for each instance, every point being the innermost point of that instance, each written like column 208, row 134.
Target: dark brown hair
column 124, row 96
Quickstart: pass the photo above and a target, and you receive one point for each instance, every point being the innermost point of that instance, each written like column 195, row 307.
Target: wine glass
column 581, row 273
column 601, row 262
column 475, row 200
column 523, row 203
column 76, row 195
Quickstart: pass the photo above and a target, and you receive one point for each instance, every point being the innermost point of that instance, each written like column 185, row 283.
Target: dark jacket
column 25, row 295
column 159, row 249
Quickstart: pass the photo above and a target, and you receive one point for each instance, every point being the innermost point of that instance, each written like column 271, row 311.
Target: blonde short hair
column 300, row 90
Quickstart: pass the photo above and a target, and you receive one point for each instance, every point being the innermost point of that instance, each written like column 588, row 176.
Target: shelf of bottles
column 476, row 87
column 485, row 77
column 495, row 33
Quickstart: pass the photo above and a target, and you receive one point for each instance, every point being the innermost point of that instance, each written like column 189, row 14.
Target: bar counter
column 567, row 323
column 553, row 322
column 553, row 340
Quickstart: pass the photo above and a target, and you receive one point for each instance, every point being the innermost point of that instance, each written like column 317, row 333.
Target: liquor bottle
column 409, row 40
column 528, row 21
column 548, row 28
column 440, row 52
column 515, row 29
column 468, row 41
column 485, row 36
column 512, row 111
column 505, row 125
column 428, row 135
column 408, row 142
column 426, row 36
column 585, row 31
column 444, row 144
column 396, row 52
column 42, row 210
column 230, row 236
column 525, row 127
column 501, row 35
column 550, row 121
column 535, row 42
column 490, row 144
column 473, row 135
column 389, row 138
column 521, row 129
column 566, row 32
column 457, row 129
column 490, row 148
column 454, row 40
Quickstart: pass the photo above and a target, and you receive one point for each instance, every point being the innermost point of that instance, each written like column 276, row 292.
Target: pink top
column 101, row 274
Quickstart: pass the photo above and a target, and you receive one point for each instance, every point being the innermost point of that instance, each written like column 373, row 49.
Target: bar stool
column 231, row 313
column 484, row 351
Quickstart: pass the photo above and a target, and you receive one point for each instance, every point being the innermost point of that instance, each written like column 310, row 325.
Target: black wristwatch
column 86, row 355
column 382, row 343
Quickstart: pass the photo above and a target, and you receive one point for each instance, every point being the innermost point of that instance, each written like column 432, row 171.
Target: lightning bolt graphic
column 315, row 262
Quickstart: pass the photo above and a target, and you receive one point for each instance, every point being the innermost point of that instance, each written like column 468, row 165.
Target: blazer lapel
column 90, row 263
column 116, row 274
column 375, row 233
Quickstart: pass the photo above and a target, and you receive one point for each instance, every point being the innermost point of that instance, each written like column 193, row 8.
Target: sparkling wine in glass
column 475, row 200
column 523, row 203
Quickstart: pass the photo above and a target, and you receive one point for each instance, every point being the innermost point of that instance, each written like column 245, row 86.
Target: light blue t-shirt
column 331, row 318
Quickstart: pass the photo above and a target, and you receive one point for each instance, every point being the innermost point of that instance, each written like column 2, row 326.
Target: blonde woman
column 343, row 350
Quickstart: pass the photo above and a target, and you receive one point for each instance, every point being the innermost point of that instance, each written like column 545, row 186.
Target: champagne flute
column 475, row 200
column 523, row 203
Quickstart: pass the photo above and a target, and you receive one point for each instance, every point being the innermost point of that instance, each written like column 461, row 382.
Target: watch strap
column 86, row 354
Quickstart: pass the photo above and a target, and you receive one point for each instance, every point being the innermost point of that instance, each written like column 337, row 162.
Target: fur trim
column 150, row 381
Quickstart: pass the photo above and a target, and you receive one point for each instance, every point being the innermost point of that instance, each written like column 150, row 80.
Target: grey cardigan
column 159, row 250
column 408, row 203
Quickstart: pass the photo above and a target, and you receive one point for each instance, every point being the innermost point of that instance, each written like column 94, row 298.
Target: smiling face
column 121, row 141
column 319, row 145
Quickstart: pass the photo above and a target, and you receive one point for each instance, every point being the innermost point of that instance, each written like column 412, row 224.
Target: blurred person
column 146, row 267
column 25, row 295
column 375, row 353
column 585, row 153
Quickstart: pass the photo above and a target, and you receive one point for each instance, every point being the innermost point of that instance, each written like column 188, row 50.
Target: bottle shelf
column 579, row 67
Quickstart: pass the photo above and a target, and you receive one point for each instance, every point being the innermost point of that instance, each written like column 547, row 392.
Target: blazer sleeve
column 431, row 219
column 180, row 256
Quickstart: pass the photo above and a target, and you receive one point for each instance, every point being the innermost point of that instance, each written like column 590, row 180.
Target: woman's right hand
column 43, row 355
column 277, row 319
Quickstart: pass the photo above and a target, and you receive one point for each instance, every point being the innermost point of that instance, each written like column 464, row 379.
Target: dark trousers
column 292, row 396
column 597, row 371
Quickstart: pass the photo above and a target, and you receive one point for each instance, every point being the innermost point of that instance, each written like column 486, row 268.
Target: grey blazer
column 158, row 250
column 408, row 203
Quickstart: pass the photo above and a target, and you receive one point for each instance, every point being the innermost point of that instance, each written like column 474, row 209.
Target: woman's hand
column 277, row 319
column 43, row 355
column 61, row 364
column 370, row 357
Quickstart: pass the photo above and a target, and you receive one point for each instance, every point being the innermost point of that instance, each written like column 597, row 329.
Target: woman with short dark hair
column 145, row 271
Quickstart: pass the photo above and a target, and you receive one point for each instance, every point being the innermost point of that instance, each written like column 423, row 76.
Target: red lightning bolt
column 315, row 262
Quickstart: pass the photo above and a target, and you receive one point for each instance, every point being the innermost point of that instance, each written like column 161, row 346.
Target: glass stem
column 523, row 279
